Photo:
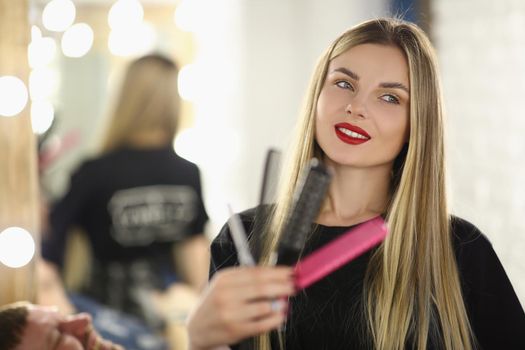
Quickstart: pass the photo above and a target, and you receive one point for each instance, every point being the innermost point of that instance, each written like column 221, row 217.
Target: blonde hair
column 412, row 290
column 149, row 100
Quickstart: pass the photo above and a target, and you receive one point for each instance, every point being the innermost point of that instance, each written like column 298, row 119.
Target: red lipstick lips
column 351, row 134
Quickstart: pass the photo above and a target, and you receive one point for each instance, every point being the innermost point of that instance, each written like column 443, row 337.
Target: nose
column 356, row 108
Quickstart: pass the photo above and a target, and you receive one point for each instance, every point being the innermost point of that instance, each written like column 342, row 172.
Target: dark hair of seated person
column 13, row 319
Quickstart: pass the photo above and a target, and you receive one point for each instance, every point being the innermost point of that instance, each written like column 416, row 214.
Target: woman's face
column 363, row 110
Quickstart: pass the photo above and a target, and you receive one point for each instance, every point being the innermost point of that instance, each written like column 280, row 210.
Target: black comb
column 270, row 176
column 308, row 197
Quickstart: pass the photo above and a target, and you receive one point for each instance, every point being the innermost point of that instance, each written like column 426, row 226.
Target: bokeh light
column 224, row 143
column 58, row 15
column 132, row 41
column 42, row 115
column 17, row 247
column 188, row 82
column 41, row 50
column 125, row 13
column 43, row 83
column 77, row 40
column 187, row 14
column 13, row 96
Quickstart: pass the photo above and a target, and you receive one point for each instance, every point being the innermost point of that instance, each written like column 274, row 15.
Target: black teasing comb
column 308, row 197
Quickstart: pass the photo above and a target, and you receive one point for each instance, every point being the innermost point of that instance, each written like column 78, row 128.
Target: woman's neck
column 356, row 195
column 154, row 138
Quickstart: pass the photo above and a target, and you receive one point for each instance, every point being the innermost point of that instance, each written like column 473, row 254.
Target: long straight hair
column 148, row 100
column 412, row 293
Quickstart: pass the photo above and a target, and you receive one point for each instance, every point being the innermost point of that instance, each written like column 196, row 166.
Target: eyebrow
column 354, row 76
column 348, row 72
column 395, row 86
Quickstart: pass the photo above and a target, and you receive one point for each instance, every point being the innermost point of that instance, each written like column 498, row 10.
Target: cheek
column 319, row 109
column 331, row 102
column 394, row 124
column 394, row 134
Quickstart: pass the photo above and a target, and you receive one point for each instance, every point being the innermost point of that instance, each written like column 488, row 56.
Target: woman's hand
column 239, row 303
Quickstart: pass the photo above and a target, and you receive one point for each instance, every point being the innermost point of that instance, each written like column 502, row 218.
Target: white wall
column 258, row 57
column 481, row 45
column 267, row 57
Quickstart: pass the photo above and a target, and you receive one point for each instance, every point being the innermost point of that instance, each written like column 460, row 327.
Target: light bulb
column 132, row 41
column 17, row 247
column 77, row 40
column 13, row 95
column 58, row 15
column 125, row 13
column 42, row 115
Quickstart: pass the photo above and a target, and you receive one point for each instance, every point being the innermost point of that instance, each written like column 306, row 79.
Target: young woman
column 373, row 114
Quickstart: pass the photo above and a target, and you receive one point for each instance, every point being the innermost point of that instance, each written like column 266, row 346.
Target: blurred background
column 245, row 65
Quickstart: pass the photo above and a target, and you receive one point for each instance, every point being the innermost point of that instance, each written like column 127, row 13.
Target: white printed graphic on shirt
column 143, row 215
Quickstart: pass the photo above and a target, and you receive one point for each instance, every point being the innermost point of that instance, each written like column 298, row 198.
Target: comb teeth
column 309, row 196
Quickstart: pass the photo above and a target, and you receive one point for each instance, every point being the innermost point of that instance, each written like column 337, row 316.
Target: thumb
column 76, row 325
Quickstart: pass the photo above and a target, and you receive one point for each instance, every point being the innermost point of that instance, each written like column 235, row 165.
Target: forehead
column 43, row 315
column 374, row 61
column 41, row 325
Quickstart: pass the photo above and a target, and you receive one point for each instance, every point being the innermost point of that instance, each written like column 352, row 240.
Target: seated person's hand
column 30, row 327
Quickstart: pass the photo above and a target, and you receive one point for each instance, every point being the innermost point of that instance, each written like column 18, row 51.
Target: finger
column 253, row 283
column 105, row 345
column 265, row 291
column 262, row 325
column 247, row 275
column 76, row 325
column 249, row 312
column 232, row 332
column 235, row 299
column 92, row 339
column 261, row 309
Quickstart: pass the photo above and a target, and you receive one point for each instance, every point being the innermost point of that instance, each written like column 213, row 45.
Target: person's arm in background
column 63, row 214
column 192, row 258
column 192, row 255
column 51, row 290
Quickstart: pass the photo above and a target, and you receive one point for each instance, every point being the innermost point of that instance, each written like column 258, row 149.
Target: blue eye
column 390, row 98
column 344, row 85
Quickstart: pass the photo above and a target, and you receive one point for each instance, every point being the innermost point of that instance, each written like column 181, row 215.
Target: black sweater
column 327, row 315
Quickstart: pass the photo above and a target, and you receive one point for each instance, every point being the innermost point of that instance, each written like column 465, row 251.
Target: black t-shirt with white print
column 134, row 205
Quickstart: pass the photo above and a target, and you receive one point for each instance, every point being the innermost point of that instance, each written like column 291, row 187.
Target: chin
column 338, row 159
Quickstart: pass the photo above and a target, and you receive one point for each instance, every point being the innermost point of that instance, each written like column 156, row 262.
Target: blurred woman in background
column 138, row 202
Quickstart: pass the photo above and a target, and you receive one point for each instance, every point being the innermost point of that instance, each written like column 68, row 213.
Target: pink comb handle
column 338, row 252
